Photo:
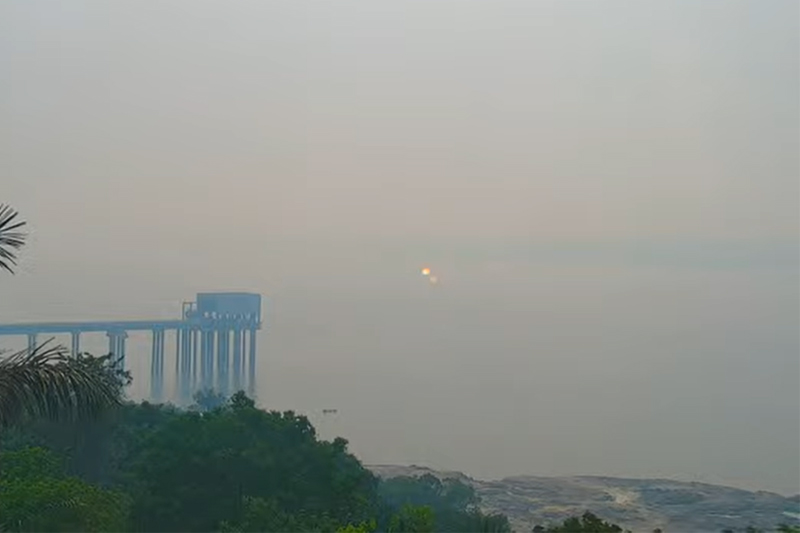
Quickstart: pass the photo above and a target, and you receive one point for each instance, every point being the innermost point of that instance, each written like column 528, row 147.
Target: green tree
column 587, row 523
column 448, row 494
column 208, row 400
column 260, row 515
column 37, row 496
column 413, row 519
column 454, row 503
column 364, row 527
column 44, row 382
column 247, row 470
column 493, row 523
column 95, row 449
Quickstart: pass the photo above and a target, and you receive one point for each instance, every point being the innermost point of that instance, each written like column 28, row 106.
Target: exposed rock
column 636, row 504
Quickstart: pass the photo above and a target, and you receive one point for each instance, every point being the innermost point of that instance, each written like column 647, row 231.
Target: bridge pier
column 223, row 349
column 184, row 373
column 116, row 346
column 193, row 359
column 76, row 343
column 238, row 360
column 251, row 367
column 179, row 341
column 157, row 366
column 243, row 364
column 207, row 359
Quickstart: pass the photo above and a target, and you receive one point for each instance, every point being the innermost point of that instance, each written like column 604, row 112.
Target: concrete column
column 157, row 366
column 193, row 335
column 160, row 382
column 183, row 381
column 161, row 359
column 177, row 389
column 243, row 371
column 154, row 366
column 76, row 343
column 187, row 366
column 242, row 381
column 251, row 367
column 177, row 351
column 223, row 348
column 201, row 380
column 116, row 346
column 238, row 360
column 207, row 359
column 121, row 348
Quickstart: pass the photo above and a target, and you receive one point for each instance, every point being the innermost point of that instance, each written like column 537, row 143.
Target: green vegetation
column 782, row 528
column 587, row 523
column 233, row 468
column 45, row 382
column 38, row 496
column 428, row 503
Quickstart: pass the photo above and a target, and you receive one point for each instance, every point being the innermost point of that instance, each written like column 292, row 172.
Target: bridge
column 215, row 342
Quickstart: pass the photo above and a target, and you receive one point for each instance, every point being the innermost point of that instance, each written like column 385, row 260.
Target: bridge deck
column 88, row 327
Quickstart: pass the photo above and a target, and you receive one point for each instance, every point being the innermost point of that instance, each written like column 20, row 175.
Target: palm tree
column 11, row 238
column 45, row 381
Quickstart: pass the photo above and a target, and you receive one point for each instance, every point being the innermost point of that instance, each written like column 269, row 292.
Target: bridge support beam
column 223, row 348
column 207, row 359
column 194, row 336
column 251, row 366
column 187, row 370
column 76, row 343
column 116, row 346
column 31, row 341
column 181, row 376
column 177, row 361
column 238, row 360
column 157, row 366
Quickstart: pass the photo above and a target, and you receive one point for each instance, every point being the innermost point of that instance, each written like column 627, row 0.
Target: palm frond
column 45, row 382
column 11, row 238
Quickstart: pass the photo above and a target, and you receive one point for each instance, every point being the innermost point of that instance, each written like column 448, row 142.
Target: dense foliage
column 587, row 523
column 227, row 467
column 453, row 504
column 36, row 495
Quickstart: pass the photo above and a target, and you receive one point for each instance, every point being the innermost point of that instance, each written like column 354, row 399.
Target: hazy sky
column 609, row 191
